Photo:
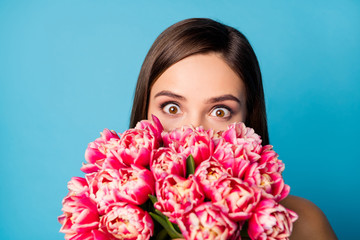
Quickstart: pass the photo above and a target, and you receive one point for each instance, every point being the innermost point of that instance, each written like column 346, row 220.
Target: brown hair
column 202, row 35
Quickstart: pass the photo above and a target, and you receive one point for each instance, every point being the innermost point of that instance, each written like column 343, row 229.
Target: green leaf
column 244, row 233
column 190, row 165
column 160, row 214
column 162, row 235
column 167, row 225
column 153, row 198
column 174, row 228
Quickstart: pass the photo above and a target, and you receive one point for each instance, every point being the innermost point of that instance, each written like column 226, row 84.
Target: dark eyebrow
column 223, row 98
column 169, row 94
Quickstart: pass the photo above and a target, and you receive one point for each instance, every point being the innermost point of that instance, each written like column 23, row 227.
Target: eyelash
column 167, row 103
column 215, row 107
column 223, row 106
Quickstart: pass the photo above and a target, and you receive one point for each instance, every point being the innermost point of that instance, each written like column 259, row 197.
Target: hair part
column 201, row 36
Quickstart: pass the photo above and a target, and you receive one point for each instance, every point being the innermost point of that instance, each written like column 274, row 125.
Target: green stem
column 190, row 165
column 167, row 225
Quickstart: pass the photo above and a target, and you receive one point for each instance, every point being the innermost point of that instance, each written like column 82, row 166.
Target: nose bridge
column 195, row 119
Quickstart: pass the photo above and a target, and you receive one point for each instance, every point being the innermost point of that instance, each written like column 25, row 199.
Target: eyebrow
column 169, row 94
column 223, row 98
column 213, row 100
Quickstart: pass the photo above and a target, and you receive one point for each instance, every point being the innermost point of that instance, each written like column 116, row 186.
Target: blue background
column 68, row 70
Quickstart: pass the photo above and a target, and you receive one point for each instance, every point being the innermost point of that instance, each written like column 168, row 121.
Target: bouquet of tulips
column 188, row 183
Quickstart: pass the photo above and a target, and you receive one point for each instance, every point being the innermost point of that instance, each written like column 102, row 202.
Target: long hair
column 201, row 36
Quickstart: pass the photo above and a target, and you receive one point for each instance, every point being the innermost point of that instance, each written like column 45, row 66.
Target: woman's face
column 200, row 90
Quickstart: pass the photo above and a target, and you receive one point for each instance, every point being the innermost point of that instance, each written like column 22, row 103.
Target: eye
column 171, row 108
column 220, row 112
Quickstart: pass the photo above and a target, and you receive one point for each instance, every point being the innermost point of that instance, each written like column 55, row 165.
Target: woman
column 201, row 72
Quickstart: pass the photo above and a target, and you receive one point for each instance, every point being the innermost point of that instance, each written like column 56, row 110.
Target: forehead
column 202, row 74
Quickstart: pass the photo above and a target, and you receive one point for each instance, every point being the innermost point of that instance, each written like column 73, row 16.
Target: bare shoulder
column 312, row 222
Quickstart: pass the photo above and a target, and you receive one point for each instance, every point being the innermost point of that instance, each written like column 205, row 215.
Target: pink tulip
column 130, row 185
column 208, row 173
column 135, row 147
column 207, row 221
column 177, row 196
column 271, row 183
column 154, row 128
column 269, row 160
column 80, row 215
column 78, row 186
column 195, row 141
column 174, row 137
column 271, row 221
column 239, row 134
column 266, row 174
column 92, row 235
column 237, row 131
column 236, row 198
column 107, row 135
column 96, row 151
column 113, row 162
column 135, row 185
column 166, row 161
column 127, row 222
column 103, row 187
column 234, row 157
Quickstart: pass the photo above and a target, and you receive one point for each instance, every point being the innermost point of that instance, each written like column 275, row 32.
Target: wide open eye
column 171, row 108
column 220, row 112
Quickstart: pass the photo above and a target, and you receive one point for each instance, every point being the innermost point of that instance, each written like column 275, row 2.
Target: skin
column 202, row 90
column 180, row 96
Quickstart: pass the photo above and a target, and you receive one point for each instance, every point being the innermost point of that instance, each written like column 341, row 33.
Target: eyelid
column 163, row 105
column 230, row 111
